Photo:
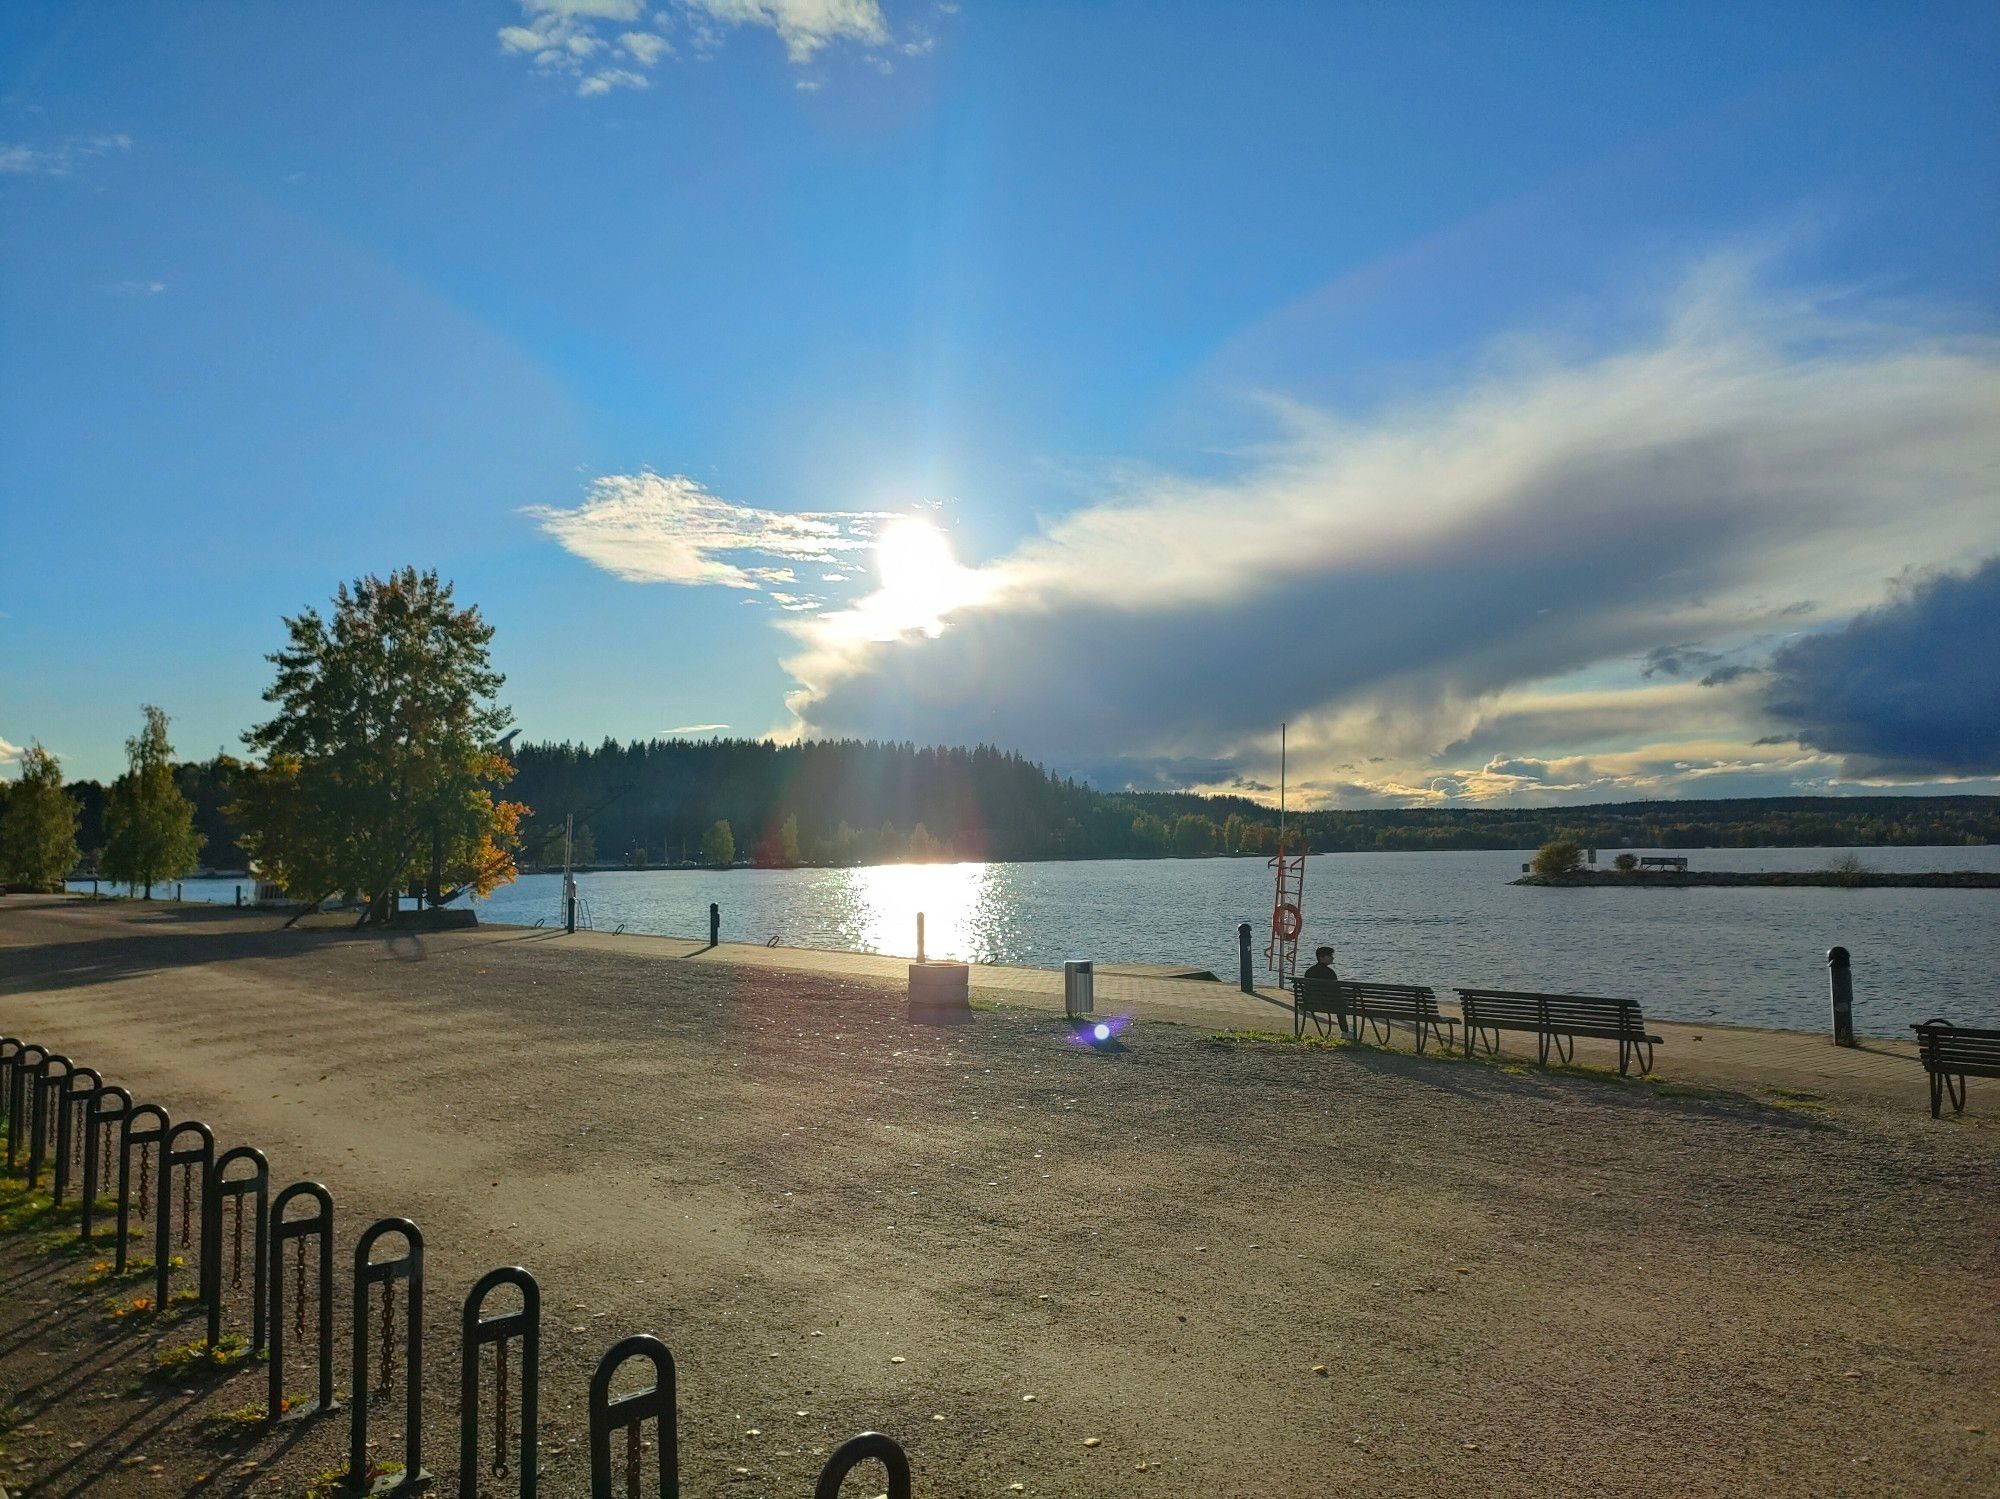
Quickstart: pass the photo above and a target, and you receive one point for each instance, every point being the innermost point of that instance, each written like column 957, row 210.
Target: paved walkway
column 1766, row 1063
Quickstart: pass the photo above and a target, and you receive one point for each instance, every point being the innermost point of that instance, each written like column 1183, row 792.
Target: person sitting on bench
column 1322, row 967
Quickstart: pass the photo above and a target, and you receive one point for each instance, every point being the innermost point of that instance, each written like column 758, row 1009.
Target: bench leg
column 1298, row 1021
column 1957, row 1091
column 1543, row 1039
column 1937, row 1093
column 1624, row 1057
column 1566, row 1049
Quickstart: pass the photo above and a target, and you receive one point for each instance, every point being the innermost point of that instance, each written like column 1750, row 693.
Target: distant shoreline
column 1666, row 879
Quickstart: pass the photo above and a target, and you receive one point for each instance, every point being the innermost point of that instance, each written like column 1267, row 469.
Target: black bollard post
column 1840, row 986
column 714, row 924
column 1243, row 968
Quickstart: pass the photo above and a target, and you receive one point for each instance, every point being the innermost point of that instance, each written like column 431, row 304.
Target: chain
column 236, row 1246
column 77, row 1136
column 500, row 1409
column 104, row 1153
column 299, row 1287
column 632, row 1460
column 388, row 1334
column 145, row 1181
column 187, row 1201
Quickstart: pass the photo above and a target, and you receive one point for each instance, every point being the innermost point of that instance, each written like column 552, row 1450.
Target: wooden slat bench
column 1355, row 1003
column 1951, row 1054
column 1558, row 1019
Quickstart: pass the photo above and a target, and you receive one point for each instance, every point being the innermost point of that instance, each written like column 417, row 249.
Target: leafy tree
column 1193, row 834
column 788, row 840
column 380, row 764
column 923, row 848
column 583, row 846
column 718, row 845
column 1560, row 856
column 38, row 838
column 635, row 858
column 148, row 823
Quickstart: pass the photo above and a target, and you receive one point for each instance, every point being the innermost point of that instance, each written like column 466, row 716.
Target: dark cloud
column 1909, row 688
column 1677, row 660
column 1722, row 676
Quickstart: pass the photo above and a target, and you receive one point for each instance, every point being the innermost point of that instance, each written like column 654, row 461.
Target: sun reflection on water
column 955, row 900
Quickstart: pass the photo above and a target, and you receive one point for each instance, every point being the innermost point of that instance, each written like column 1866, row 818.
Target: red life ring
column 1287, row 922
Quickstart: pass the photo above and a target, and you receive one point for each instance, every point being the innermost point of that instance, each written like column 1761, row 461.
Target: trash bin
column 1079, row 982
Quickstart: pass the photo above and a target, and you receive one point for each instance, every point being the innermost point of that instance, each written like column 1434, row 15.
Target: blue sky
column 1466, row 385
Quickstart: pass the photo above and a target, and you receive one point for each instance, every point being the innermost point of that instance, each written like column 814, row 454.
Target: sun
column 912, row 556
column 921, row 582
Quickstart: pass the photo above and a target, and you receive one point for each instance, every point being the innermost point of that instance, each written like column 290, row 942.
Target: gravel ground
column 1240, row 1269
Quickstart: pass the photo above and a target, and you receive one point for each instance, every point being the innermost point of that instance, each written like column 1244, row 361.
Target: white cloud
column 136, row 288
column 577, row 38
column 644, row 47
column 611, row 78
column 804, row 26
column 1475, row 579
column 653, row 528
column 696, row 728
column 9, row 751
column 60, row 159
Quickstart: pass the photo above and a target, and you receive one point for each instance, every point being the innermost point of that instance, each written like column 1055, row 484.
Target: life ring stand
column 1287, row 922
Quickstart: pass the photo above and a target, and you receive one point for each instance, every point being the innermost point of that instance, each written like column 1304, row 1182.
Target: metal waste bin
column 1078, row 982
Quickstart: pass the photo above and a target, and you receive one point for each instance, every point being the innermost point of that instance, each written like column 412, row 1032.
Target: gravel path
column 1241, row 1269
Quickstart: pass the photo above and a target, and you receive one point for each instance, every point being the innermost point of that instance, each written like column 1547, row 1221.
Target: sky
column 1522, row 404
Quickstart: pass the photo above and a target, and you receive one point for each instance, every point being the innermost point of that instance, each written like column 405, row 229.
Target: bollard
column 714, row 924
column 920, row 936
column 1840, row 986
column 239, row 895
column 1244, row 971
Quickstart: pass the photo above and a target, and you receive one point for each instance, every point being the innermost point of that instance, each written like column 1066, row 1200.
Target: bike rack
column 475, row 1332
column 296, row 1231
column 629, row 1413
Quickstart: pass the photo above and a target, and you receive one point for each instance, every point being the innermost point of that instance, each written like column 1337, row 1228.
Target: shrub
column 1627, row 862
column 1560, row 857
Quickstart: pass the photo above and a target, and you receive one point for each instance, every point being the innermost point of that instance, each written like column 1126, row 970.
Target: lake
column 1747, row 956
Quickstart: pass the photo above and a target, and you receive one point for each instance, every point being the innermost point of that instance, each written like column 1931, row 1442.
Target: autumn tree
column 1560, row 856
column 38, row 835
column 148, row 823
column 381, row 764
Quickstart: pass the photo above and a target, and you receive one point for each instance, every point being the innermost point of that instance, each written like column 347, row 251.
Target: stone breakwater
column 1666, row 879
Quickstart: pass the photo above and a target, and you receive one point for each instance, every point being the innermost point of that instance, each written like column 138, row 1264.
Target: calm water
column 1748, row 956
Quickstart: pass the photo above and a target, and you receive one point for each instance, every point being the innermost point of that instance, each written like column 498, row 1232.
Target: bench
column 1558, row 1019
column 1951, row 1054
column 1354, row 1003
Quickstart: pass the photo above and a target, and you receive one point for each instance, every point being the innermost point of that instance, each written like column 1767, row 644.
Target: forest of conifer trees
column 848, row 801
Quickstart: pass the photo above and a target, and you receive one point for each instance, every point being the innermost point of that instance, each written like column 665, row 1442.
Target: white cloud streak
column 655, row 528
column 61, row 159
